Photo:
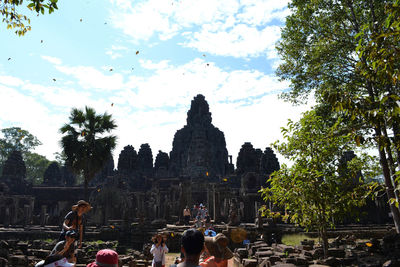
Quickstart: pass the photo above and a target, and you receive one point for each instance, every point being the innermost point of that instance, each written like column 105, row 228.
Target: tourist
column 192, row 244
column 66, row 248
column 217, row 252
column 54, row 261
column 105, row 258
column 74, row 220
column 186, row 215
column 158, row 249
column 198, row 222
column 207, row 221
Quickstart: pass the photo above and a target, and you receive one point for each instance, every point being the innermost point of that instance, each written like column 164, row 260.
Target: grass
column 295, row 239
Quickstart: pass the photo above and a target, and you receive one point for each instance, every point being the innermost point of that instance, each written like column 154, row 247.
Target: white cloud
column 53, row 60
column 10, row 81
column 240, row 41
column 115, row 51
column 91, row 78
column 228, row 28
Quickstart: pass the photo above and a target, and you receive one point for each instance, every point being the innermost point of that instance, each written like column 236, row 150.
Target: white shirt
column 158, row 253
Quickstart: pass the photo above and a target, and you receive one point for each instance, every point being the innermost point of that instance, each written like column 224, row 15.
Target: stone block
column 336, row 252
column 307, row 242
column 291, row 261
column 40, row 253
column 267, row 253
column 300, row 260
column 284, row 248
column 4, row 253
column 317, row 253
column 264, row 263
column 274, row 259
column 284, row 265
column 23, row 246
column 3, row 262
column 331, row 261
column 18, row 261
column 4, row 244
column 242, row 252
column 249, row 263
column 392, row 263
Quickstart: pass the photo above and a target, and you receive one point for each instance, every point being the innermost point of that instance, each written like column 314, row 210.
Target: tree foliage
column 315, row 191
column 36, row 166
column 338, row 51
column 9, row 9
column 15, row 138
column 85, row 143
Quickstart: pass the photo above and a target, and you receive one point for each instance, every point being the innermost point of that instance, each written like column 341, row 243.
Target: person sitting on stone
column 192, row 245
column 66, row 248
column 105, row 258
column 74, row 220
column 55, row 261
column 217, row 252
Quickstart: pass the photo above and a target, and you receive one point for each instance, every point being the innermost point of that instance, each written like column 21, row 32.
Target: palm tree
column 85, row 144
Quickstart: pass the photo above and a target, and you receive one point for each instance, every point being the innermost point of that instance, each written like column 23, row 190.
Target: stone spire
column 248, row 159
column 269, row 162
column 199, row 148
column 52, row 176
column 14, row 173
column 128, row 160
column 145, row 159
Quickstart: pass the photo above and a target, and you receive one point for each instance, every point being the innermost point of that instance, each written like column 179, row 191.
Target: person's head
column 81, row 207
column 71, row 235
column 105, row 257
column 157, row 239
column 192, row 242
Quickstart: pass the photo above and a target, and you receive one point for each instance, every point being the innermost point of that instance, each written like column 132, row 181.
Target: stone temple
column 144, row 188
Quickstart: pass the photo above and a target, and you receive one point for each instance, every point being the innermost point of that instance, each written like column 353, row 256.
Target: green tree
column 315, row 190
column 15, row 20
column 36, row 165
column 85, row 143
column 319, row 51
column 15, row 138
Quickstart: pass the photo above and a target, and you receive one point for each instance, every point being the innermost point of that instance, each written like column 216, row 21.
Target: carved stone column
column 43, row 212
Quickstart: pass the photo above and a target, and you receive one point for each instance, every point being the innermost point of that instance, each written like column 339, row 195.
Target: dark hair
column 52, row 258
column 71, row 233
column 192, row 241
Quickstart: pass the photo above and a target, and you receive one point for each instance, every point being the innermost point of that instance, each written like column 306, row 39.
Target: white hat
column 60, row 263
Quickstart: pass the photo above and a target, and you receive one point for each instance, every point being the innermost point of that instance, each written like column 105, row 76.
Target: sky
column 143, row 62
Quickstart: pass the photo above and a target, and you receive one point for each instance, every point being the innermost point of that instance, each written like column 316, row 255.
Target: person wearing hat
column 217, row 251
column 66, row 248
column 74, row 220
column 105, row 258
column 158, row 249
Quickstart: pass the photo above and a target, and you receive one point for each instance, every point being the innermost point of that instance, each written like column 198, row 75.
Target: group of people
column 199, row 214
column 205, row 251
column 197, row 249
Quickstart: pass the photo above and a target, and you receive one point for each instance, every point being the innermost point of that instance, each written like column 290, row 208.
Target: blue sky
column 86, row 54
